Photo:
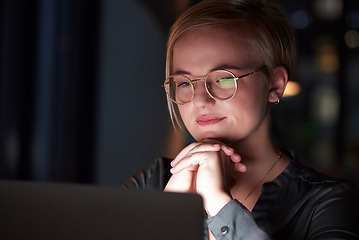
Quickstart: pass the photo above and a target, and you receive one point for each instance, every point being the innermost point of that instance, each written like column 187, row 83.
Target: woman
column 227, row 63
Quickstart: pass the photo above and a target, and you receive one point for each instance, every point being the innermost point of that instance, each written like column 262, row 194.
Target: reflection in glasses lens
column 221, row 85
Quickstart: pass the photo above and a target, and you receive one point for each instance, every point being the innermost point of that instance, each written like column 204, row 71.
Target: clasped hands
column 206, row 168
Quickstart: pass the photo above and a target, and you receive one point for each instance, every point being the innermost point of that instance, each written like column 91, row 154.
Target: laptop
column 51, row 211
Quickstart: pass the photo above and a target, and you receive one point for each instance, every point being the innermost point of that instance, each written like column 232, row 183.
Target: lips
column 206, row 120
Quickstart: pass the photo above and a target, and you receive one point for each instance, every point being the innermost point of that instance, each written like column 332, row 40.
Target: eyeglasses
column 220, row 85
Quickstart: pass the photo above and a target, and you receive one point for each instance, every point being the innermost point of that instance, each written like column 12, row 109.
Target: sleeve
column 153, row 177
column 234, row 221
column 335, row 216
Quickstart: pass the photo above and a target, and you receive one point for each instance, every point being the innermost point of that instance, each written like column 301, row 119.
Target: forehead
column 207, row 48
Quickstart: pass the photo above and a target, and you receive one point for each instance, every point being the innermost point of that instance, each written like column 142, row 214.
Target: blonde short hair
column 272, row 36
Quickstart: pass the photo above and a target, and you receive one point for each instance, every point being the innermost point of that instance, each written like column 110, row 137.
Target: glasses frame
column 167, row 81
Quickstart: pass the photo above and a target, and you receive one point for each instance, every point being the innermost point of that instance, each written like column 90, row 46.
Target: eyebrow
column 220, row 67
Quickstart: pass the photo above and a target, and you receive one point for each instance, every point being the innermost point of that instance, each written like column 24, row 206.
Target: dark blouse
column 299, row 204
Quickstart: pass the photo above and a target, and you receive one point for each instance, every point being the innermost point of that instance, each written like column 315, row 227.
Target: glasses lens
column 180, row 89
column 221, row 84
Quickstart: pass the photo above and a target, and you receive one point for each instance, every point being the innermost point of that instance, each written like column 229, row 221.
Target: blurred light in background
column 352, row 38
column 292, row 89
column 325, row 106
column 301, row 19
column 352, row 19
column 328, row 9
column 326, row 54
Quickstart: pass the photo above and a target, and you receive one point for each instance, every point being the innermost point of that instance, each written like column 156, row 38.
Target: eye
column 183, row 84
column 226, row 82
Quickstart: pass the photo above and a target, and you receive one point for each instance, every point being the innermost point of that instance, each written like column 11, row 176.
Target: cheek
column 184, row 114
column 260, row 104
column 250, row 104
column 258, row 93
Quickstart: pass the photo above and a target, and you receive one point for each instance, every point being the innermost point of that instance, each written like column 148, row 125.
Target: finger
column 195, row 148
column 183, row 153
column 225, row 148
column 188, row 167
column 239, row 167
column 189, row 162
column 235, row 158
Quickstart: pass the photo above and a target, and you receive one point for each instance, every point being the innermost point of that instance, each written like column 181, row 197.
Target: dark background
column 81, row 98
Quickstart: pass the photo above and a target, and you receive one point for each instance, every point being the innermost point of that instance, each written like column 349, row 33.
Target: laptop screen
column 33, row 210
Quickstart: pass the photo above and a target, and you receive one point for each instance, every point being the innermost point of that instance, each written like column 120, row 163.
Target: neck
column 258, row 149
column 260, row 155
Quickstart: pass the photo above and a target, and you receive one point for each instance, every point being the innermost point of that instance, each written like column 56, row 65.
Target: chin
column 210, row 135
column 225, row 138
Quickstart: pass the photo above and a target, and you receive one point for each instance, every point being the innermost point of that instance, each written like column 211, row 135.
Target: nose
column 201, row 96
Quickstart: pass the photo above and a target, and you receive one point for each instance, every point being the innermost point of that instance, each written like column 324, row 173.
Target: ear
column 277, row 83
